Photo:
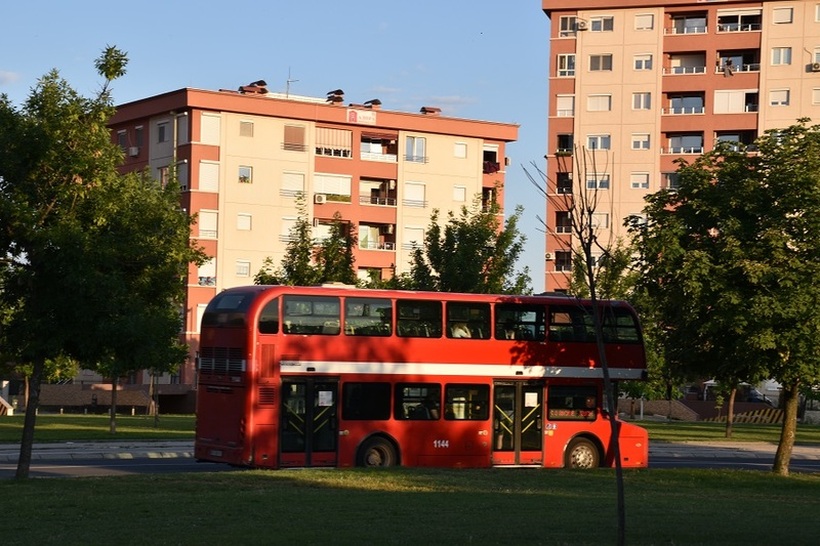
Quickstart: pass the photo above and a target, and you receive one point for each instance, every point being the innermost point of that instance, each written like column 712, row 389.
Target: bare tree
column 589, row 244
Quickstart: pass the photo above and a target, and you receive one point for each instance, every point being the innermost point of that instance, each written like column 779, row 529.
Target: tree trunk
column 113, row 414
column 730, row 412
column 32, row 403
column 790, row 397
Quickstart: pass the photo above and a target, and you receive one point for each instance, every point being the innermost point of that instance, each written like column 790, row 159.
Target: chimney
column 430, row 110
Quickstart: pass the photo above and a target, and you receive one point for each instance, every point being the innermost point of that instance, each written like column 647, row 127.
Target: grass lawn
column 72, row 428
column 68, row 428
column 405, row 506
column 414, row 506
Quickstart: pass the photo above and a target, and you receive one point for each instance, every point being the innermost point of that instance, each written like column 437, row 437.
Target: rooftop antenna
column 287, row 84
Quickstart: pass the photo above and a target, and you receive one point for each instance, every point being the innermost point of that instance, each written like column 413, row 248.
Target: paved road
column 115, row 458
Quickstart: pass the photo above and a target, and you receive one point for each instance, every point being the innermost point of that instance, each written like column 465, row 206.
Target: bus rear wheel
column 582, row 453
column 377, row 452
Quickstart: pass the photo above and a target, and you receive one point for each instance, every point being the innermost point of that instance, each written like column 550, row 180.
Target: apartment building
column 635, row 85
column 243, row 157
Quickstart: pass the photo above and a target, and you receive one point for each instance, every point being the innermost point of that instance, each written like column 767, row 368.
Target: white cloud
column 8, row 77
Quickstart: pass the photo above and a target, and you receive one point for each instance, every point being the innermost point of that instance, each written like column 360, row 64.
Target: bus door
column 518, row 422
column 308, row 430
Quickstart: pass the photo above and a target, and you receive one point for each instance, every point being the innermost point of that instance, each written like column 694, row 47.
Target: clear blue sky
column 477, row 59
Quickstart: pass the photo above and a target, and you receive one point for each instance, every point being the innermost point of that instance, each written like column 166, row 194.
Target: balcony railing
column 683, row 110
column 685, row 70
column 684, row 150
column 384, row 158
column 687, row 30
column 376, row 245
column 746, row 67
column 738, row 27
column 383, row 201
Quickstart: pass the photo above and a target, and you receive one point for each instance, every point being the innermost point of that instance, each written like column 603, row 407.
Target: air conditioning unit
column 320, row 199
column 133, row 151
column 549, row 256
column 815, row 67
column 580, row 24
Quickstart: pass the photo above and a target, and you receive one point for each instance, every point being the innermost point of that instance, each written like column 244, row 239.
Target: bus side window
column 417, row 401
column 466, row 402
column 269, row 318
column 468, row 320
column 418, row 318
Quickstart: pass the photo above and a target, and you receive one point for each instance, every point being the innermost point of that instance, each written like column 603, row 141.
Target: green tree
column 334, row 255
column 472, row 252
column 730, row 259
column 89, row 274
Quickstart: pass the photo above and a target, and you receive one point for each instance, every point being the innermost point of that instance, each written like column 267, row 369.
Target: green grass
column 698, row 431
column 72, row 428
column 413, row 506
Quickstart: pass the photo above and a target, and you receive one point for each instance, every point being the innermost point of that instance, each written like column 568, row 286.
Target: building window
column 293, row 184
column 600, row 220
column 414, row 195
column 563, row 183
column 460, row 150
column 686, row 144
column 563, row 222
column 639, row 181
column 565, row 144
column 640, row 141
column 817, row 13
column 459, row 194
column 815, row 96
column 600, row 63
column 122, row 139
column 243, row 268
column 246, row 128
column 602, row 24
column 245, row 174
column 243, row 221
column 334, row 142
column 415, row 149
column 294, row 138
column 163, row 134
column 163, row 175
column 207, row 273
column 598, row 142
column 739, row 21
column 208, row 224
column 779, row 97
column 643, row 61
column 671, row 180
column 782, row 16
column 563, row 260
column 598, row 181
column 138, row 135
column 566, row 65
column 816, row 55
column 641, row 101
column 567, row 25
column 781, row 55
column 599, row 103
column 209, row 176
column 565, row 106
column 689, row 24
column 644, row 21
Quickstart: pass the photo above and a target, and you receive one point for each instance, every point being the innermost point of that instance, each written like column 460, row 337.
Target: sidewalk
column 102, row 450
column 185, row 449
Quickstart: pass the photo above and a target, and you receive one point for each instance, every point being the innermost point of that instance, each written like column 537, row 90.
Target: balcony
column 491, row 167
column 684, row 70
column 683, row 150
column 683, row 110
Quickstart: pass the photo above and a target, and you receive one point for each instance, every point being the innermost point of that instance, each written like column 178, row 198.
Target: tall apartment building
column 635, row 85
column 242, row 158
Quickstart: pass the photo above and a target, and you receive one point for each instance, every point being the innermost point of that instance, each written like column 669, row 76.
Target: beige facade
column 243, row 157
column 636, row 85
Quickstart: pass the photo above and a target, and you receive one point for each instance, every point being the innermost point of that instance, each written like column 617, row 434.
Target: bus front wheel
column 582, row 453
column 377, row 452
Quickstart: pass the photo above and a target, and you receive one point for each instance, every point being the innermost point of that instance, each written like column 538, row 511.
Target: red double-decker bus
column 338, row 376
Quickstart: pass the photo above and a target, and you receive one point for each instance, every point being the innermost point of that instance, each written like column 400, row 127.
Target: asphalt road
column 118, row 459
